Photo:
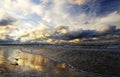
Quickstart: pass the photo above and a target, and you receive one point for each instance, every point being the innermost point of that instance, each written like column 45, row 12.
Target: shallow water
column 15, row 63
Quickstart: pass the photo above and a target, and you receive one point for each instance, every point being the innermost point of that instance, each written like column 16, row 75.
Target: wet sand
column 18, row 62
column 98, row 61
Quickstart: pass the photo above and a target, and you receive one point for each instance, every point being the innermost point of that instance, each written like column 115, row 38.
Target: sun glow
column 79, row 2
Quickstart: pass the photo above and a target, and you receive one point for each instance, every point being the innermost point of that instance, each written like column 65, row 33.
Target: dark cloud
column 112, row 29
column 110, row 32
column 6, row 41
column 77, row 34
column 7, row 21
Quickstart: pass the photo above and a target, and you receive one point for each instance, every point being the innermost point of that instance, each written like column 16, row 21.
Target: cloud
column 25, row 33
column 108, row 6
column 81, row 16
column 7, row 21
column 61, row 29
column 111, row 32
column 79, row 34
column 54, row 18
column 7, row 24
column 78, row 2
column 5, row 31
column 100, row 8
column 6, row 41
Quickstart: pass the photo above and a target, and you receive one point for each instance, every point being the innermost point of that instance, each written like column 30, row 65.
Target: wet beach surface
column 16, row 63
column 103, row 60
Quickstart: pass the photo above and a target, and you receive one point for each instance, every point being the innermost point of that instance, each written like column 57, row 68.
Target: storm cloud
column 77, row 34
column 110, row 32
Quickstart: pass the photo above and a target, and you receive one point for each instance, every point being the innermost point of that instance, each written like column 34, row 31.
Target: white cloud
column 57, row 15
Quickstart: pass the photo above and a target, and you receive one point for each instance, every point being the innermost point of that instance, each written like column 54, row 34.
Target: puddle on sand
column 15, row 63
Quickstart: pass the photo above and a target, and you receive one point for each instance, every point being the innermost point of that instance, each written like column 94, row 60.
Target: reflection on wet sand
column 15, row 63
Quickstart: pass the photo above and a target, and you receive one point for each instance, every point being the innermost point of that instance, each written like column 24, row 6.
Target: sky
column 59, row 20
